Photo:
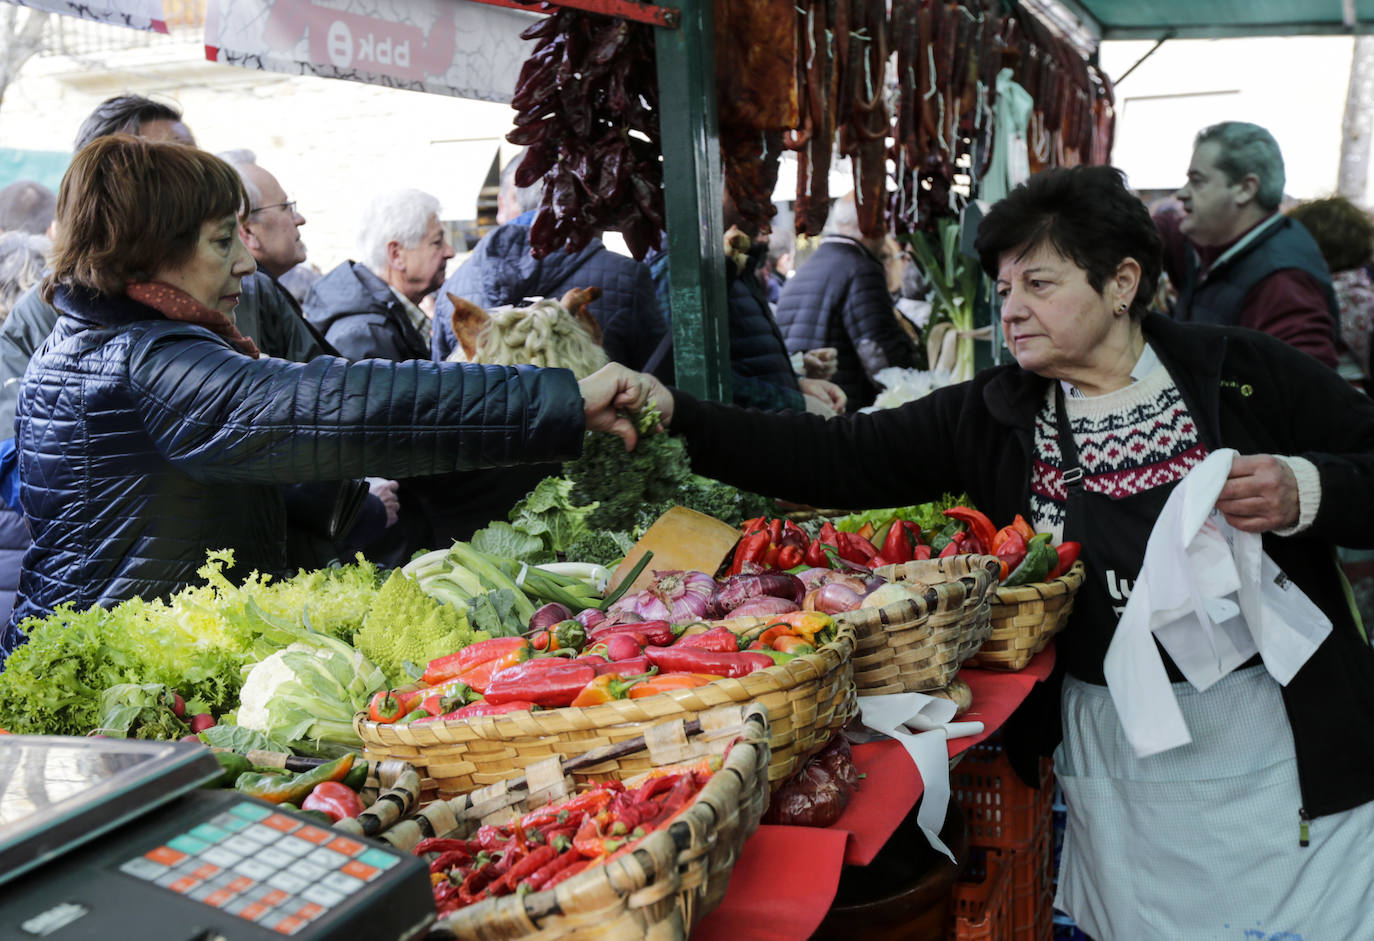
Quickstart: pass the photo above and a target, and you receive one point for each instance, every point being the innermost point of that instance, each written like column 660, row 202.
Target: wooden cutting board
column 680, row 539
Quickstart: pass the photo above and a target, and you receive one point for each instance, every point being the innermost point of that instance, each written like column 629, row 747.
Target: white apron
column 1201, row 842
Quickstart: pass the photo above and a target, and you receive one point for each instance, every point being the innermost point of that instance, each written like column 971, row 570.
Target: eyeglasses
column 289, row 207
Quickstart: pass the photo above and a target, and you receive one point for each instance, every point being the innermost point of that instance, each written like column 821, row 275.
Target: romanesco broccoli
column 404, row 623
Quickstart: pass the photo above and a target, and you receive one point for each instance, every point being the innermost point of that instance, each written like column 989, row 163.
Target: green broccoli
column 405, row 624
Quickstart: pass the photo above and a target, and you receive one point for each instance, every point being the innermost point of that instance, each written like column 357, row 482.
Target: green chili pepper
column 277, row 790
column 357, row 775
column 1040, row 558
column 232, row 764
column 946, row 533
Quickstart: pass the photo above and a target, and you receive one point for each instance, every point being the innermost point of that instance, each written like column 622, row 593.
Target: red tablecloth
column 786, row 877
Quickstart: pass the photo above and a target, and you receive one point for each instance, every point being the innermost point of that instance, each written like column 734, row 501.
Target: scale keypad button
column 310, row 911
column 261, row 833
column 327, row 858
column 240, row 844
column 143, row 868
column 240, row 884
column 289, row 925
column 322, row 895
column 252, row 911
column 219, row 898
column 274, row 857
column 165, row 855
column 289, row 882
column 251, row 812
column 202, row 892
column 221, row 856
column 232, row 823
column 205, row 871
column 183, row 884
column 309, row 871
column 346, row 846
column 275, row 897
column 281, row 823
column 378, row 858
column 188, row 845
column 341, row 883
column 314, row 834
column 360, row 871
column 293, row 846
column 208, row 833
column 253, row 869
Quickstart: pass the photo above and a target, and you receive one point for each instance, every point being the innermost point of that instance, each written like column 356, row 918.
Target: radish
column 201, row 721
column 178, row 705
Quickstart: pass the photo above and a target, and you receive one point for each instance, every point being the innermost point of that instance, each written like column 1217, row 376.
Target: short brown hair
column 127, row 207
column 1343, row 231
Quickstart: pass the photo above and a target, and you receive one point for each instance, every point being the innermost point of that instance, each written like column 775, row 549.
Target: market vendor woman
column 150, row 431
column 1105, row 411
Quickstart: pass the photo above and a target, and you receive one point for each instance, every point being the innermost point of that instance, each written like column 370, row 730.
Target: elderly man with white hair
column 371, row 309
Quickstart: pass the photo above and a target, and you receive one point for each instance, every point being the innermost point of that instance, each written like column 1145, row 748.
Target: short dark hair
column 128, row 206
column 27, row 206
column 1087, row 215
column 122, row 114
column 1343, row 231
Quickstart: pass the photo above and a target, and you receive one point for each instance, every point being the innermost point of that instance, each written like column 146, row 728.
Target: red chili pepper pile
column 554, row 843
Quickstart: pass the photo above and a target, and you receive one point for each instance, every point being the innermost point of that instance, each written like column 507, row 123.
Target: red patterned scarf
column 175, row 304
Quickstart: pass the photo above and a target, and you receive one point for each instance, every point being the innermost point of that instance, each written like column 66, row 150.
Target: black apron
column 1113, row 533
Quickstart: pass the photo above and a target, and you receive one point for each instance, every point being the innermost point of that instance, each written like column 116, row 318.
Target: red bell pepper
column 955, row 546
column 1010, row 551
column 978, row 523
column 387, row 706
column 1068, row 555
column 442, row 669
column 627, row 667
column 898, row 544
column 691, row 660
column 490, row 709
column 815, row 553
column 549, row 683
column 921, row 552
column 750, row 549
column 334, row 798
column 855, row 548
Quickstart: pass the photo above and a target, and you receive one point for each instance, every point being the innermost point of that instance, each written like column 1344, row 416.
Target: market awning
column 1217, row 19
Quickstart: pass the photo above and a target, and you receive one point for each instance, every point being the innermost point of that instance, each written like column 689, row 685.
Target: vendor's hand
column 613, row 393
column 1261, row 494
column 385, row 490
column 820, row 363
column 830, row 396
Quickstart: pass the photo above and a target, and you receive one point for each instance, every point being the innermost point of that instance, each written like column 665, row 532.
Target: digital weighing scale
column 114, row 840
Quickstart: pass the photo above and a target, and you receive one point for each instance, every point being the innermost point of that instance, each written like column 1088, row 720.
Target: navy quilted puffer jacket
column 144, row 442
column 502, row 271
column 839, row 298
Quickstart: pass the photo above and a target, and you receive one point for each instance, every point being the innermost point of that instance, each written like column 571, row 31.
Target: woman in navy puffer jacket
column 149, row 430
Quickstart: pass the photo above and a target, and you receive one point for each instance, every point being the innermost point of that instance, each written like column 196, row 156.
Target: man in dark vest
column 1234, row 258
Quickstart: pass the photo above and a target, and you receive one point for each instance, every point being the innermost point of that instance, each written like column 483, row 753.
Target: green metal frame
column 692, row 189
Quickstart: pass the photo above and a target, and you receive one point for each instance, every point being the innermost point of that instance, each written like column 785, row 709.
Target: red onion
column 763, row 607
column 834, row 597
column 814, row 578
column 549, row 615
column 675, row 596
column 738, row 589
column 590, row 617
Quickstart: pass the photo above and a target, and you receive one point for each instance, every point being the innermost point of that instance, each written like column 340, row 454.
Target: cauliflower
column 305, row 695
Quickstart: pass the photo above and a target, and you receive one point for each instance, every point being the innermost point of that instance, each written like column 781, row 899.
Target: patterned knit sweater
column 1129, row 441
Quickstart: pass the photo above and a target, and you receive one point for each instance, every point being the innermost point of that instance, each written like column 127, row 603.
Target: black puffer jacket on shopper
column 839, row 298
column 144, row 442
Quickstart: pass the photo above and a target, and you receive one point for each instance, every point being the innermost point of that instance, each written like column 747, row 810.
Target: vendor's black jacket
column 839, row 298
column 144, row 442
column 1253, row 392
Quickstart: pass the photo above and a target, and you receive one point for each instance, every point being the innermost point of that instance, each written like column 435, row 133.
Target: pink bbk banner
column 468, row 50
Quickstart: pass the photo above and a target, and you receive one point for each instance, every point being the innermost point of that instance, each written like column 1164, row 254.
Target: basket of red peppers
column 1034, row 596
column 648, row 856
column 484, row 713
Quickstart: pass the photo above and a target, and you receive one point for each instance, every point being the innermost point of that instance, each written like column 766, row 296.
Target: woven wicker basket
column 1024, row 619
column 807, row 700
column 661, row 890
column 919, row 645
